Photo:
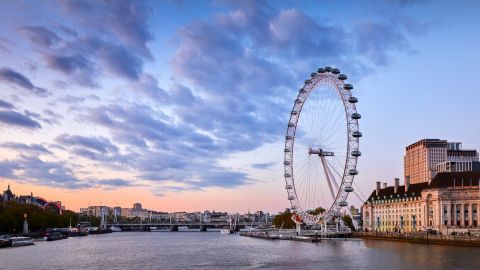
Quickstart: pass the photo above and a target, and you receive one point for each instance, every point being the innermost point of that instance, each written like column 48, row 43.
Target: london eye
column 321, row 147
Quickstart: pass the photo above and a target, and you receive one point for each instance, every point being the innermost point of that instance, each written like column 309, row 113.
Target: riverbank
column 421, row 238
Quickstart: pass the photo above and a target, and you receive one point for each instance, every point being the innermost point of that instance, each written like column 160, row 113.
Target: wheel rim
column 314, row 127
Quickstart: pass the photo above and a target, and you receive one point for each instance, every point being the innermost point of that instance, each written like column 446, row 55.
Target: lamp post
column 25, row 224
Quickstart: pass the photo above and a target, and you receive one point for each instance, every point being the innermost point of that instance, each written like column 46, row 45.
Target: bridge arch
column 53, row 206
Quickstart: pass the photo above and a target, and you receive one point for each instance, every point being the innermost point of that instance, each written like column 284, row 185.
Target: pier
column 311, row 236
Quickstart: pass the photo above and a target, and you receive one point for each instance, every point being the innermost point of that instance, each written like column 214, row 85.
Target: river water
column 212, row 250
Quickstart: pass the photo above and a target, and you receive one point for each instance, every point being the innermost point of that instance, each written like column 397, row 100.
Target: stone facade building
column 450, row 202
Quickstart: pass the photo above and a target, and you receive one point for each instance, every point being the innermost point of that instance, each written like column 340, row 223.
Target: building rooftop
column 428, row 143
column 441, row 180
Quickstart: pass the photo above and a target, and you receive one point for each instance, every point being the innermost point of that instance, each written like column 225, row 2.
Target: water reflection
column 211, row 250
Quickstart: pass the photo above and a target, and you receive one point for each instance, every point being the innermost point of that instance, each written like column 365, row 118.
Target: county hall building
column 444, row 195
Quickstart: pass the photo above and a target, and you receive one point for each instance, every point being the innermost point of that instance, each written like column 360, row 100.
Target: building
column 95, row 210
column 425, row 158
column 459, row 160
column 8, row 195
column 161, row 216
column 421, row 158
column 450, row 202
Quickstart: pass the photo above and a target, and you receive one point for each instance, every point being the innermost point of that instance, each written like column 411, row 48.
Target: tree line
column 12, row 217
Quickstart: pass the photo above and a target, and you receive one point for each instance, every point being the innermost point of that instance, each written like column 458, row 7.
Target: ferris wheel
column 321, row 147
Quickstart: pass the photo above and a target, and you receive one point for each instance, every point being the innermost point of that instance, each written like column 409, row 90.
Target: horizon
column 184, row 105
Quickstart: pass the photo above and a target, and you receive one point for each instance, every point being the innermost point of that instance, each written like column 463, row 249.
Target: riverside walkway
column 422, row 238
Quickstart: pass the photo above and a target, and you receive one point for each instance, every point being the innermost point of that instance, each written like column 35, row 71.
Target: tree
column 348, row 221
column 284, row 219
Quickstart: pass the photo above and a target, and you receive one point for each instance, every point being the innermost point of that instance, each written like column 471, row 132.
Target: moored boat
column 226, row 231
column 21, row 241
column 76, row 233
column 5, row 241
column 115, row 228
column 99, row 231
column 183, row 228
column 54, row 236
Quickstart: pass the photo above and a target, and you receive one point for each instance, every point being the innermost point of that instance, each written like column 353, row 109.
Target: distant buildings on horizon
column 138, row 212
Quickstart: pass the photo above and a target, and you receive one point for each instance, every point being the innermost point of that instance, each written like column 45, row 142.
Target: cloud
column 26, row 148
column 161, row 151
column 68, row 64
column 40, row 35
column 17, row 119
column 4, row 45
column 119, row 60
column 98, row 144
column 116, row 182
column 126, row 21
column 33, row 170
column 9, row 116
column 15, row 78
column 263, row 166
column 118, row 48
column 6, row 105
column 148, row 86
column 374, row 39
column 51, row 117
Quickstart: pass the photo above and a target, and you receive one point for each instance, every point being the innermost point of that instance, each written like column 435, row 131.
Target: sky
column 183, row 105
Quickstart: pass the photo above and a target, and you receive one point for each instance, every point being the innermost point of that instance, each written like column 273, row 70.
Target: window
column 465, row 215
column 457, row 214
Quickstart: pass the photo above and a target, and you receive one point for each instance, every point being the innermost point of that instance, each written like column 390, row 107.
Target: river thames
column 212, row 250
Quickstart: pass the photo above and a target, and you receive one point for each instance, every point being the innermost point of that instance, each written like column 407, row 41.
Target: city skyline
column 189, row 112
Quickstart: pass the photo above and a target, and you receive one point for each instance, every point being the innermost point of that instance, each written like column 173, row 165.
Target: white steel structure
column 321, row 147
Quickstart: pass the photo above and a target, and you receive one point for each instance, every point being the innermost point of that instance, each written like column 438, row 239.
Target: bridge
column 173, row 226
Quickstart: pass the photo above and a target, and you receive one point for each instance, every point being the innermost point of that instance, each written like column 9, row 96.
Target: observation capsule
column 352, row 99
column 335, row 71
column 342, row 203
column 356, row 153
column 348, row 86
column 307, row 81
column 303, row 91
column 348, row 189
column 313, row 74
column 287, row 175
column 293, row 112
column 286, row 163
column 328, row 69
column 291, row 198
column 287, row 150
column 321, row 70
column 288, row 187
column 298, row 101
column 288, row 137
column 342, row 77
column 291, row 125
column 356, row 134
column 352, row 172
column 356, row 116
